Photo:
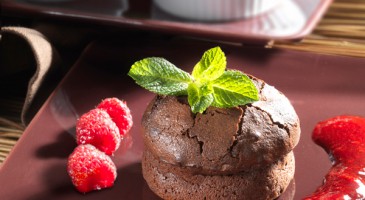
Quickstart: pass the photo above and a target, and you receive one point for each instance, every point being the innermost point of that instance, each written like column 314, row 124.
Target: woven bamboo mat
column 10, row 132
column 340, row 32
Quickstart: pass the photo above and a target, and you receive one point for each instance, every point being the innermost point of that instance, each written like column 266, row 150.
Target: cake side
column 172, row 182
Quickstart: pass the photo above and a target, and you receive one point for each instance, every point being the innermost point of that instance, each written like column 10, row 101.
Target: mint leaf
column 233, row 88
column 199, row 98
column 160, row 76
column 211, row 66
column 209, row 85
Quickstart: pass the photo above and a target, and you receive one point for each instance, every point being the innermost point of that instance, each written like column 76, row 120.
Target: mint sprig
column 210, row 84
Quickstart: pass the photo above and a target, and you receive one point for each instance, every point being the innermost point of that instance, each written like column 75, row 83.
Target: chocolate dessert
column 222, row 141
column 241, row 149
column 215, row 134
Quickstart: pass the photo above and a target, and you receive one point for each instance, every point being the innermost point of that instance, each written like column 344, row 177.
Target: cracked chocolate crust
column 222, row 141
column 172, row 182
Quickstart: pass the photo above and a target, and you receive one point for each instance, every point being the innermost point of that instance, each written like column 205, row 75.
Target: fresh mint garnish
column 211, row 66
column 200, row 98
column 160, row 76
column 209, row 85
column 233, row 88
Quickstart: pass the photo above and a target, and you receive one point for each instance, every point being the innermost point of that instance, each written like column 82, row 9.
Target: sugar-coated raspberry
column 90, row 169
column 96, row 127
column 119, row 112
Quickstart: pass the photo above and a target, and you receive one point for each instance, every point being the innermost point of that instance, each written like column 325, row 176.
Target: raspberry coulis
column 343, row 138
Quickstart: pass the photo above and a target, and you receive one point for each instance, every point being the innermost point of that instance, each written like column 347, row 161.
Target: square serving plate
column 291, row 20
column 318, row 86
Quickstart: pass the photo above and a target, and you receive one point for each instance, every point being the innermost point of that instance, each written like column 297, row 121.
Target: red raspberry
column 119, row 112
column 96, row 127
column 90, row 169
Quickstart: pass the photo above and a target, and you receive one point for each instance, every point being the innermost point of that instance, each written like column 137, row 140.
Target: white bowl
column 216, row 10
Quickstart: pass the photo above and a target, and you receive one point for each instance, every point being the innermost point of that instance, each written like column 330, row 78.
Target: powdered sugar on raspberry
column 97, row 128
column 90, row 169
column 119, row 112
column 98, row 134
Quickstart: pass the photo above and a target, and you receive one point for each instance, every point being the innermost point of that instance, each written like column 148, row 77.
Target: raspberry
column 90, row 169
column 96, row 127
column 119, row 112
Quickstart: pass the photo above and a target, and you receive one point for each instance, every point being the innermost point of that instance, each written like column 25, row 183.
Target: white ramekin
column 216, row 10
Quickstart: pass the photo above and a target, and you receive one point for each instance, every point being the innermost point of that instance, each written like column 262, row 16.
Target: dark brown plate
column 290, row 21
column 319, row 87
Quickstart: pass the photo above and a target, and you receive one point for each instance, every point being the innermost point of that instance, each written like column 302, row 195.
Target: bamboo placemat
column 10, row 132
column 340, row 32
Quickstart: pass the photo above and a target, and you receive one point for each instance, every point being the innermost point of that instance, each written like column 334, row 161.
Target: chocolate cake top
column 222, row 140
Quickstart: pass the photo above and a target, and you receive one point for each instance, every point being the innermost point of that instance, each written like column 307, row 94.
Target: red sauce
column 343, row 138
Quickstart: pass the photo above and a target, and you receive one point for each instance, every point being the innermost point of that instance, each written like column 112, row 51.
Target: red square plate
column 319, row 87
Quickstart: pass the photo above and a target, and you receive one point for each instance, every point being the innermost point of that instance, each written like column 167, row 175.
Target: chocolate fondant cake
column 215, row 133
column 221, row 140
column 236, row 145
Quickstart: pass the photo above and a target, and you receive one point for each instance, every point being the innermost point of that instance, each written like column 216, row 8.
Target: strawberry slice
column 90, row 169
column 119, row 112
column 96, row 127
